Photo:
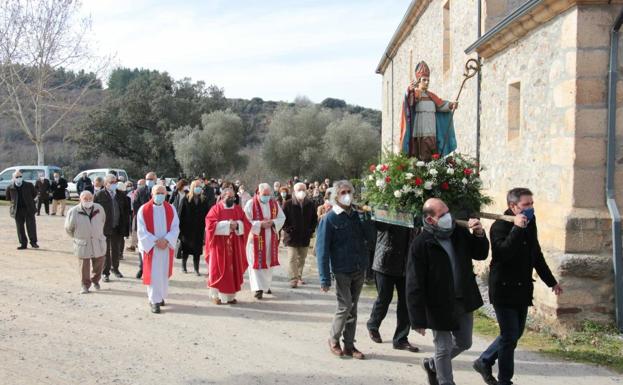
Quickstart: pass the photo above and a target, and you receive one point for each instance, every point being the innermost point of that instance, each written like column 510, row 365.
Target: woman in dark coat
column 181, row 189
column 192, row 212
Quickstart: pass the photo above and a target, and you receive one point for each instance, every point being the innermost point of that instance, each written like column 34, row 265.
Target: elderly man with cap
column 22, row 196
column 85, row 224
column 266, row 219
column 158, row 228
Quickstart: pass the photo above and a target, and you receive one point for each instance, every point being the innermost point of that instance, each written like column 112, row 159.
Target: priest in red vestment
column 226, row 232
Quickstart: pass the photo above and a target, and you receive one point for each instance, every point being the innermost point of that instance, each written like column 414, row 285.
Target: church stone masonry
column 542, row 123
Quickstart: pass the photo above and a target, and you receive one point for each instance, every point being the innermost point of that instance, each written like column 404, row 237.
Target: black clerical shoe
column 106, row 278
column 428, row 368
column 269, row 291
column 21, row 247
column 155, row 308
column 162, row 303
column 118, row 274
column 405, row 345
column 34, row 245
column 485, row 371
column 259, row 294
column 375, row 336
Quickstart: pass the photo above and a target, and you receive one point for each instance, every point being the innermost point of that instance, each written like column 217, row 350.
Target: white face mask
column 445, row 222
column 87, row 205
column 345, row 199
column 300, row 195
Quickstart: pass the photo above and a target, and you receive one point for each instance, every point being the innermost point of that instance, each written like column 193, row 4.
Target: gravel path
column 50, row 334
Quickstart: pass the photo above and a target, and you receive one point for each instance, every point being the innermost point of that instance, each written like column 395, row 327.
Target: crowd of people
column 239, row 230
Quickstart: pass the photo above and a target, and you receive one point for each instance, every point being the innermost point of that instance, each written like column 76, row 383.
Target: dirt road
column 50, row 334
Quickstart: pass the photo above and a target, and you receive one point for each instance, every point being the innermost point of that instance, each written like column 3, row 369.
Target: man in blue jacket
column 341, row 250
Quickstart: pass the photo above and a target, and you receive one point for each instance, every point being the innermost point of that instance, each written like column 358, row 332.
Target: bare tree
column 39, row 41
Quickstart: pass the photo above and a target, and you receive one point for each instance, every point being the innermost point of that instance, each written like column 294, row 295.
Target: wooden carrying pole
column 495, row 217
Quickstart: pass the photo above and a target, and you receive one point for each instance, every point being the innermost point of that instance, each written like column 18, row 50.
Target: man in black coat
column 59, row 193
column 84, row 183
column 42, row 187
column 441, row 287
column 515, row 254
column 389, row 266
column 300, row 224
column 116, row 227
column 22, row 196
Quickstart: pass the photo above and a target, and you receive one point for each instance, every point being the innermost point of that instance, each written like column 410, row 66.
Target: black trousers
column 21, row 219
column 46, row 203
column 114, row 244
column 196, row 259
column 385, row 285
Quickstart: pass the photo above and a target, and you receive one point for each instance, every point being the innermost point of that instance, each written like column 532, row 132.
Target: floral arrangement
column 402, row 184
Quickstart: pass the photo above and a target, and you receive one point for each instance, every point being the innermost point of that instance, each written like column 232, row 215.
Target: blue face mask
column 159, row 199
column 265, row 198
column 113, row 187
column 150, row 183
column 529, row 213
column 197, row 190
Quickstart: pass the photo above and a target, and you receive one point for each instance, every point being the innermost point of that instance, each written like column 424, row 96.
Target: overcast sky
column 271, row 49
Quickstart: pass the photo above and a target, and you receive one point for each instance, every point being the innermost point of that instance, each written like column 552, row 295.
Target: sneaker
column 485, row 371
column 85, row 290
column 96, row 286
column 428, row 368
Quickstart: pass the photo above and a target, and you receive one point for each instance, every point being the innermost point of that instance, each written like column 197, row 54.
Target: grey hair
column 154, row 190
column 110, row 178
column 262, row 187
column 515, row 194
column 337, row 186
column 99, row 179
column 85, row 194
column 299, row 184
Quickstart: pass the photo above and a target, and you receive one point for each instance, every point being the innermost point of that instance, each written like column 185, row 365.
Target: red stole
column 259, row 241
column 148, row 217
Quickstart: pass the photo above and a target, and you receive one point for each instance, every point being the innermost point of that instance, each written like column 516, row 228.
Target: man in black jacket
column 42, row 187
column 22, row 196
column 389, row 265
column 116, row 226
column 84, row 183
column 59, row 193
column 515, row 254
column 300, row 224
column 441, row 287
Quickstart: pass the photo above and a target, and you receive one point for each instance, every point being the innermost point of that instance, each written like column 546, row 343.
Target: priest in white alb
column 157, row 230
column 266, row 219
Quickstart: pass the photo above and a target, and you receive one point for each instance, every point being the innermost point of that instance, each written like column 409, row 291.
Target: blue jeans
column 512, row 321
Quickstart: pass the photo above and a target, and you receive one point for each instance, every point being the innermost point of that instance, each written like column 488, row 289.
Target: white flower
column 464, row 180
column 409, row 175
column 428, row 185
column 397, row 193
column 432, row 172
column 370, row 177
column 378, row 167
column 420, row 163
column 418, row 192
column 450, row 171
column 380, row 183
column 406, row 189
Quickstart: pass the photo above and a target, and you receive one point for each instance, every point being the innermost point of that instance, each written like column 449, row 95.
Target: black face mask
column 229, row 202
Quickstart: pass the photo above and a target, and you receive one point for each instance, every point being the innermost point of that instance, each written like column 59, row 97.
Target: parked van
column 94, row 173
column 29, row 174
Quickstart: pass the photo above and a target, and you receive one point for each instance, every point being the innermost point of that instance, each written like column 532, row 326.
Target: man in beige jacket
column 85, row 224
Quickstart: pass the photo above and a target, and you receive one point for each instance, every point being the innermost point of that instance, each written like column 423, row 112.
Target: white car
column 92, row 174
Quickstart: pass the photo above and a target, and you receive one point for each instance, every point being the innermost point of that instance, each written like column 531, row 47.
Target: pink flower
column 372, row 168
